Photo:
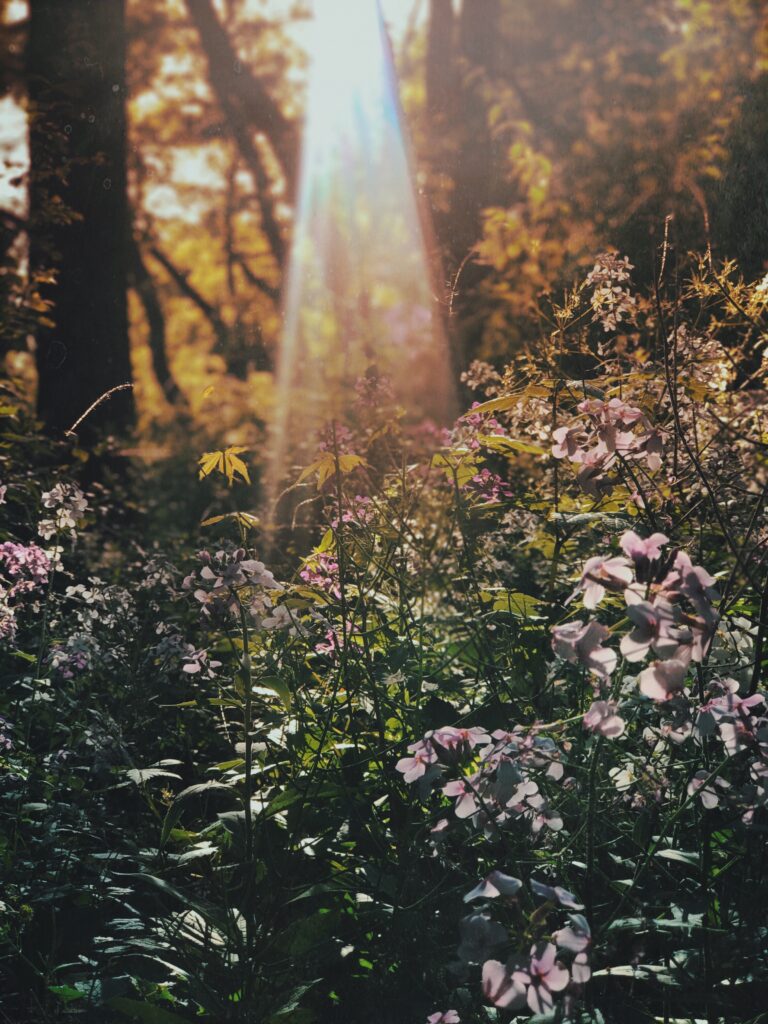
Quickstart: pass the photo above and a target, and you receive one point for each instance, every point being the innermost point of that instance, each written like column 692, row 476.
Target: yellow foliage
column 226, row 462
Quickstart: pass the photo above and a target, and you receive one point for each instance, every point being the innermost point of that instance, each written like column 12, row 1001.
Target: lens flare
column 360, row 298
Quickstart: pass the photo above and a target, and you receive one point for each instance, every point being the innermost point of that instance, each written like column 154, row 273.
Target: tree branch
column 141, row 279
column 181, row 280
column 248, row 108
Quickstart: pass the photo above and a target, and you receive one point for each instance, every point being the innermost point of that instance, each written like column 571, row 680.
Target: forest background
column 149, row 216
column 257, row 776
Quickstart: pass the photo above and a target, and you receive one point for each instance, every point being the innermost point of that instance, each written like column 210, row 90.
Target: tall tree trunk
column 475, row 184
column 79, row 222
column 441, row 67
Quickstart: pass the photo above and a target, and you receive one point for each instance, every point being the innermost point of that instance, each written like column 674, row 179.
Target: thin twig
column 103, row 398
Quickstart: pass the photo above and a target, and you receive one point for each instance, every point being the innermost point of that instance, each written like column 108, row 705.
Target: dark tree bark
column 441, row 67
column 248, row 108
column 475, row 185
column 78, row 209
column 740, row 202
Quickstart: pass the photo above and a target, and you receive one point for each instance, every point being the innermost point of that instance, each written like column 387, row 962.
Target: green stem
column 247, row 730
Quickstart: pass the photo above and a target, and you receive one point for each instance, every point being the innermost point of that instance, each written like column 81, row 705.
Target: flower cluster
column 68, row 504
column 611, row 301
column 357, row 511
column 199, row 663
column 604, row 434
column 741, row 725
column 669, row 604
column 556, row 965
column 470, row 427
column 489, row 487
column 482, row 377
column 321, row 570
column 6, row 743
column 73, row 658
column 23, row 569
column 335, row 640
column 503, row 783
column 229, row 580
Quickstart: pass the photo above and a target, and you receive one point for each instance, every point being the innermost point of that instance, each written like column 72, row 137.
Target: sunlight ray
column 360, row 298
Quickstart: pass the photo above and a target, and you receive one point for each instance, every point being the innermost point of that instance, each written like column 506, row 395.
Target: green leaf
column 244, row 519
column 679, row 855
column 66, row 993
column 292, row 1006
column 507, row 445
column 521, row 605
column 280, row 687
column 141, row 775
column 225, row 766
column 459, row 462
column 144, row 1012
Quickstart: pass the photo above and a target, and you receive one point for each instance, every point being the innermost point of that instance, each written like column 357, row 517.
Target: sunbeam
column 360, row 295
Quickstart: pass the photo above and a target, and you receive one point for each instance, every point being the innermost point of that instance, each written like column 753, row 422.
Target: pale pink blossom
column 556, row 893
column 581, row 972
column 414, row 767
column 654, row 627
column 543, row 977
column 568, row 444
column 582, row 644
column 707, row 788
column 603, row 718
column 576, row 936
column 494, row 885
column 636, row 548
column 663, row 680
column 599, row 575
column 466, row 801
column 501, row 988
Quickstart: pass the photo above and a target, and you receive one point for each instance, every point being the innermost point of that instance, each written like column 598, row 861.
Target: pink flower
column 663, row 680
column 447, row 1017
column 582, row 644
column 653, row 447
column 495, row 884
column 576, row 936
column 599, row 575
column 501, row 988
column 603, row 718
column 567, row 444
column 542, row 978
column 654, row 627
column 591, row 476
column 466, row 804
column 414, row 767
column 706, row 789
column 460, row 740
column 556, row 892
column 696, row 584
column 636, row 548
column 581, row 972
column 26, row 567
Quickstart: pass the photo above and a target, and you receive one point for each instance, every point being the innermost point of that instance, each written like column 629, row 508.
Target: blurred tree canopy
column 542, row 134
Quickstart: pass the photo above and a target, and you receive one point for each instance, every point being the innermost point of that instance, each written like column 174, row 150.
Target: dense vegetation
column 473, row 727
column 506, row 710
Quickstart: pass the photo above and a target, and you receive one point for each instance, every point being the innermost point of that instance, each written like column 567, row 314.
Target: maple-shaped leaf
column 226, row 462
column 325, row 467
